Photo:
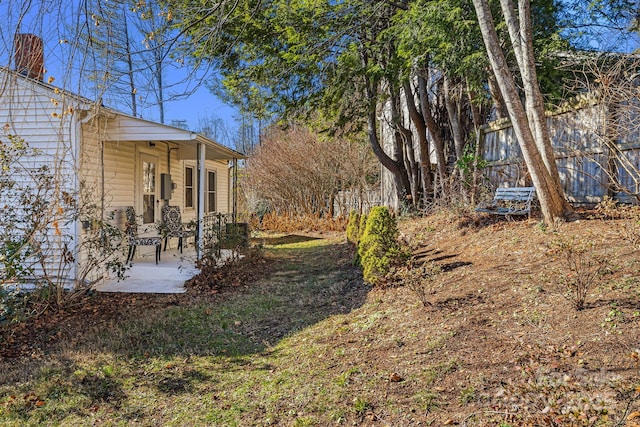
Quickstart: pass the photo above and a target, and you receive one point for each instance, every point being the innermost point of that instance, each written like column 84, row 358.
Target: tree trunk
column 382, row 156
column 454, row 118
column 130, row 71
column 421, row 129
column 521, row 36
column 552, row 202
column 434, row 131
column 496, row 96
column 477, row 121
column 403, row 145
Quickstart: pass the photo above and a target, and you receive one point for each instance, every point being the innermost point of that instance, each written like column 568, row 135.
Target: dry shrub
column 630, row 227
column 310, row 223
column 608, row 208
column 420, row 279
column 584, row 267
column 301, row 173
column 629, row 217
column 215, row 276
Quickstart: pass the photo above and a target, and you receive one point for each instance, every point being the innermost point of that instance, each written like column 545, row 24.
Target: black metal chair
column 172, row 226
column 135, row 241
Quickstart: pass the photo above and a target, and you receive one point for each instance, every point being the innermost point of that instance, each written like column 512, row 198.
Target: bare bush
column 297, row 173
column 420, row 279
column 37, row 247
column 584, row 268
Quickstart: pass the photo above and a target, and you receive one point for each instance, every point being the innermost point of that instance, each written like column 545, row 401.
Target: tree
column 530, row 130
column 299, row 173
column 296, row 58
column 105, row 39
column 127, row 52
column 247, row 137
column 214, row 127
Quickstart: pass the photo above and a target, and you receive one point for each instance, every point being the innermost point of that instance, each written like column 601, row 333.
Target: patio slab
column 167, row 277
column 145, row 276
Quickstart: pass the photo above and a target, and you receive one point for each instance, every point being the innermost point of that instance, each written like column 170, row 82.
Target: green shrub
column 362, row 225
column 353, row 227
column 378, row 247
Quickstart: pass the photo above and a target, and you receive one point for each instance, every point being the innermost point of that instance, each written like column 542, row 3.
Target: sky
column 51, row 20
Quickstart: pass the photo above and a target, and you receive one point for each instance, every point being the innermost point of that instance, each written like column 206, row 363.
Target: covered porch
column 148, row 166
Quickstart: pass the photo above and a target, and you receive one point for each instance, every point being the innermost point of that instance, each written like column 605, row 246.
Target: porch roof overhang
column 128, row 128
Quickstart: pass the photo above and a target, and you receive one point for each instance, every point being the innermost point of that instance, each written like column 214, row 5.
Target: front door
column 148, row 181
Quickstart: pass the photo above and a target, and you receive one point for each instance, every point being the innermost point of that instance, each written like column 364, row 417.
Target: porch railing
column 220, row 231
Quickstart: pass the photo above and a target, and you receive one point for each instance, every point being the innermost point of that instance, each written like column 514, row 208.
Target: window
column 188, row 187
column 211, row 191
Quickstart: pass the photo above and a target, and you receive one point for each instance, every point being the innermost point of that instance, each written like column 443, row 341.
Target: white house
column 111, row 160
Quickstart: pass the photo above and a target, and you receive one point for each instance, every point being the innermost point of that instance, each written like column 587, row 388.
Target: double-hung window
column 188, row 187
column 211, row 191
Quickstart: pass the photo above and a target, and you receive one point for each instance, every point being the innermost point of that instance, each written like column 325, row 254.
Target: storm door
column 148, row 181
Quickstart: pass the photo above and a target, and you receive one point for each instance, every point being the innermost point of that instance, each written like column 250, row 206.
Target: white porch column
column 201, row 171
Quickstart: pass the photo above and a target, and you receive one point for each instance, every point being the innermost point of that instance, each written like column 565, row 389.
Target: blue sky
column 51, row 20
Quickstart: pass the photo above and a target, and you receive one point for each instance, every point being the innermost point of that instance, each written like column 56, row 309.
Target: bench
column 509, row 201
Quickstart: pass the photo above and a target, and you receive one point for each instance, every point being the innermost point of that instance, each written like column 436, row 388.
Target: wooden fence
column 589, row 169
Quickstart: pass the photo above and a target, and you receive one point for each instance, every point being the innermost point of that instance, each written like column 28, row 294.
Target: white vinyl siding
column 35, row 114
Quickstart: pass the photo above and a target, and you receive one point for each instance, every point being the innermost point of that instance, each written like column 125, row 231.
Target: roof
column 130, row 128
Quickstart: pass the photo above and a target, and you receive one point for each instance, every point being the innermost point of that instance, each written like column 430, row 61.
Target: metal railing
column 220, row 231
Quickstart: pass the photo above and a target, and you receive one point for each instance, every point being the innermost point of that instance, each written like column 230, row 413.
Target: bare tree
column 300, row 173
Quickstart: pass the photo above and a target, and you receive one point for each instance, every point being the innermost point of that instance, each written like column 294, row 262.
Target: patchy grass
column 309, row 344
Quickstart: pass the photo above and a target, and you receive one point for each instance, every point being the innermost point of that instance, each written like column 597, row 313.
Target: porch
column 219, row 231
column 144, row 276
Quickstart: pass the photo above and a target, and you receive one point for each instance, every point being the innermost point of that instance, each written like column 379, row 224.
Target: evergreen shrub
column 378, row 247
column 362, row 225
column 353, row 227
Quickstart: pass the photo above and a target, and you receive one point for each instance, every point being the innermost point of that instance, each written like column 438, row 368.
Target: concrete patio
column 167, row 277
column 144, row 276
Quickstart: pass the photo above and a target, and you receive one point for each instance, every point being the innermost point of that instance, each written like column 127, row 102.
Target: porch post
column 201, row 154
column 235, row 190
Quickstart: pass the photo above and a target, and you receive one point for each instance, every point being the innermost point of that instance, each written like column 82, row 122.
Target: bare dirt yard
column 293, row 337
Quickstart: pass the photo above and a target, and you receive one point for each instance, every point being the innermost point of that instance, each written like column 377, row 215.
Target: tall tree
column 530, row 130
column 296, row 57
column 106, row 40
column 128, row 53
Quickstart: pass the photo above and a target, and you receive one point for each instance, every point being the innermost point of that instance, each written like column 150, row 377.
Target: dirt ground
column 526, row 355
column 505, row 346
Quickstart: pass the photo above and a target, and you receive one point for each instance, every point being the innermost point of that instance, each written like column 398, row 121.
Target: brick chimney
column 29, row 55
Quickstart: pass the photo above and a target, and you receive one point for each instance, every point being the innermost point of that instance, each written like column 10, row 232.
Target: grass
column 310, row 345
column 229, row 362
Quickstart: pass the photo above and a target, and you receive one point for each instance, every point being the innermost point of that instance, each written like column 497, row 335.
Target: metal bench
column 509, row 201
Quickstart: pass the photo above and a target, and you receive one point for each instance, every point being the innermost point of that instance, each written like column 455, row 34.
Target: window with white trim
column 211, row 191
column 188, row 187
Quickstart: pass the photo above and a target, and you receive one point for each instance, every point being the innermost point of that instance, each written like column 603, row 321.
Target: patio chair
column 134, row 240
column 173, row 226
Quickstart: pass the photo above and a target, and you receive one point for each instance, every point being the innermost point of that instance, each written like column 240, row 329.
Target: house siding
column 44, row 120
column 96, row 153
